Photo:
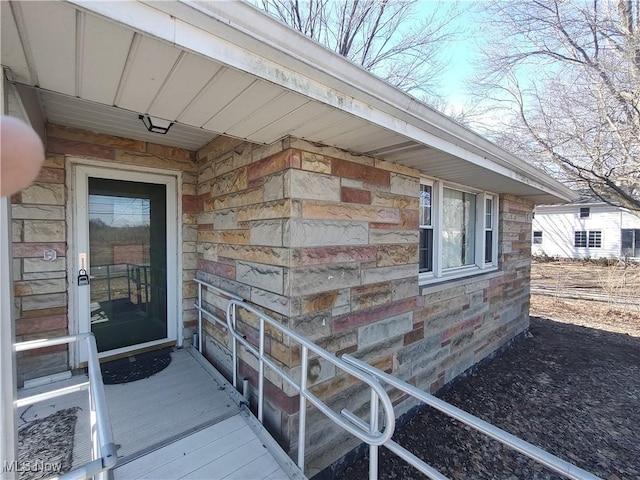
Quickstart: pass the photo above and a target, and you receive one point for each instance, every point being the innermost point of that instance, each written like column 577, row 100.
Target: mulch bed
column 571, row 390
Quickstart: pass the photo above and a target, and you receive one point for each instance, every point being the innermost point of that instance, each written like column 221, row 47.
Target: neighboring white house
column 585, row 229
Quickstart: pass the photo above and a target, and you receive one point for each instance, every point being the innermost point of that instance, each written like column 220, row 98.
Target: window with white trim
column 537, row 237
column 426, row 229
column 488, row 230
column 458, row 231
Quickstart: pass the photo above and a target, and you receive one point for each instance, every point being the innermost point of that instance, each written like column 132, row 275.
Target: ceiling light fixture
column 156, row 125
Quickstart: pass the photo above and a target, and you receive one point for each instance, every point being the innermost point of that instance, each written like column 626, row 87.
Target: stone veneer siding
column 323, row 241
column 39, row 223
column 327, row 243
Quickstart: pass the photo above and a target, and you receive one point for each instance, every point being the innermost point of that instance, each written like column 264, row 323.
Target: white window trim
column 437, row 205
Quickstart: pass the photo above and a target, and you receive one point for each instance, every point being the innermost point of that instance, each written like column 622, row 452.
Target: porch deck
column 227, row 450
column 184, row 422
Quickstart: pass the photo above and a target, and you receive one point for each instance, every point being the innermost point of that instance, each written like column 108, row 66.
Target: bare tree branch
column 394, row 39
column 566, row 78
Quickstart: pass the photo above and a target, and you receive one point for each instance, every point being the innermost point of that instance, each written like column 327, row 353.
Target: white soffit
column 77, row 113
column 86, row 57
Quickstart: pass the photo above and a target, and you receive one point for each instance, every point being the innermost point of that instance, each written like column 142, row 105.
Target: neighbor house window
column 585, row 212
column 584, row 238
column 457, row 231
column 630, row 242
column 537, row 237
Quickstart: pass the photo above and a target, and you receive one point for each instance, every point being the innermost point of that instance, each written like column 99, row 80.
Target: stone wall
column 327, row 243
column 40, row 223
column 323, row 241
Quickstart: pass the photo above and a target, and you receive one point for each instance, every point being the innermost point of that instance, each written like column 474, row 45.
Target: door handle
column 83, row 276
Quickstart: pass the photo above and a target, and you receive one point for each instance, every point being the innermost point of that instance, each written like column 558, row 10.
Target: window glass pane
column 488, row 224
column 488, row 246
column 458, row 235
column 580, row 239
column 627, row 242
column 426, row 250
column 584, row 212
column 425, row 204
column 595, row 239
column 630, row 244
column 128, row 262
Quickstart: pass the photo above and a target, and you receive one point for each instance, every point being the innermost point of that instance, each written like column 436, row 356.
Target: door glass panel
column 128, row 262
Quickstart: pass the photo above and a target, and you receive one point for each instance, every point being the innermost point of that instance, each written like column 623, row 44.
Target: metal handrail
column 202, row 311
column 541, row 456
column 103, row 454
column 368, row 433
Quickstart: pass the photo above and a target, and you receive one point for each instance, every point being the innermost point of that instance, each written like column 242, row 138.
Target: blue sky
column 461, row 53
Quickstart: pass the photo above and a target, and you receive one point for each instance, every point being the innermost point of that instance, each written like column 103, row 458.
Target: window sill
column 457, row 279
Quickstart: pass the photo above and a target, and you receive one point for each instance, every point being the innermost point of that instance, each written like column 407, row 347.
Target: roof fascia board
column 207, row 29
column 575, row 205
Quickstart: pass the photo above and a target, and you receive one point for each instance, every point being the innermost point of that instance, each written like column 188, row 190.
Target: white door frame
column 78, row 172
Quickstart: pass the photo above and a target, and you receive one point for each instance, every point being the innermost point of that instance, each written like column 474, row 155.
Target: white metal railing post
column 93, row 427
column 234, row 347
column 261, row 373
column 302, row 414
column 373, row 427
column 199, row 317
column 107, row 449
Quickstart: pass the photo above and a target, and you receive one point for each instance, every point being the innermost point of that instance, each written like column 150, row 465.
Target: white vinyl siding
column 558, row 224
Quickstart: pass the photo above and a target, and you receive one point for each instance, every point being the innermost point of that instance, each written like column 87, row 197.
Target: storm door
column 126, row 259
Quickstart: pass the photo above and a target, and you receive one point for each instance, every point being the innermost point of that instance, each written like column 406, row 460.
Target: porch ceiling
column 99, row 74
